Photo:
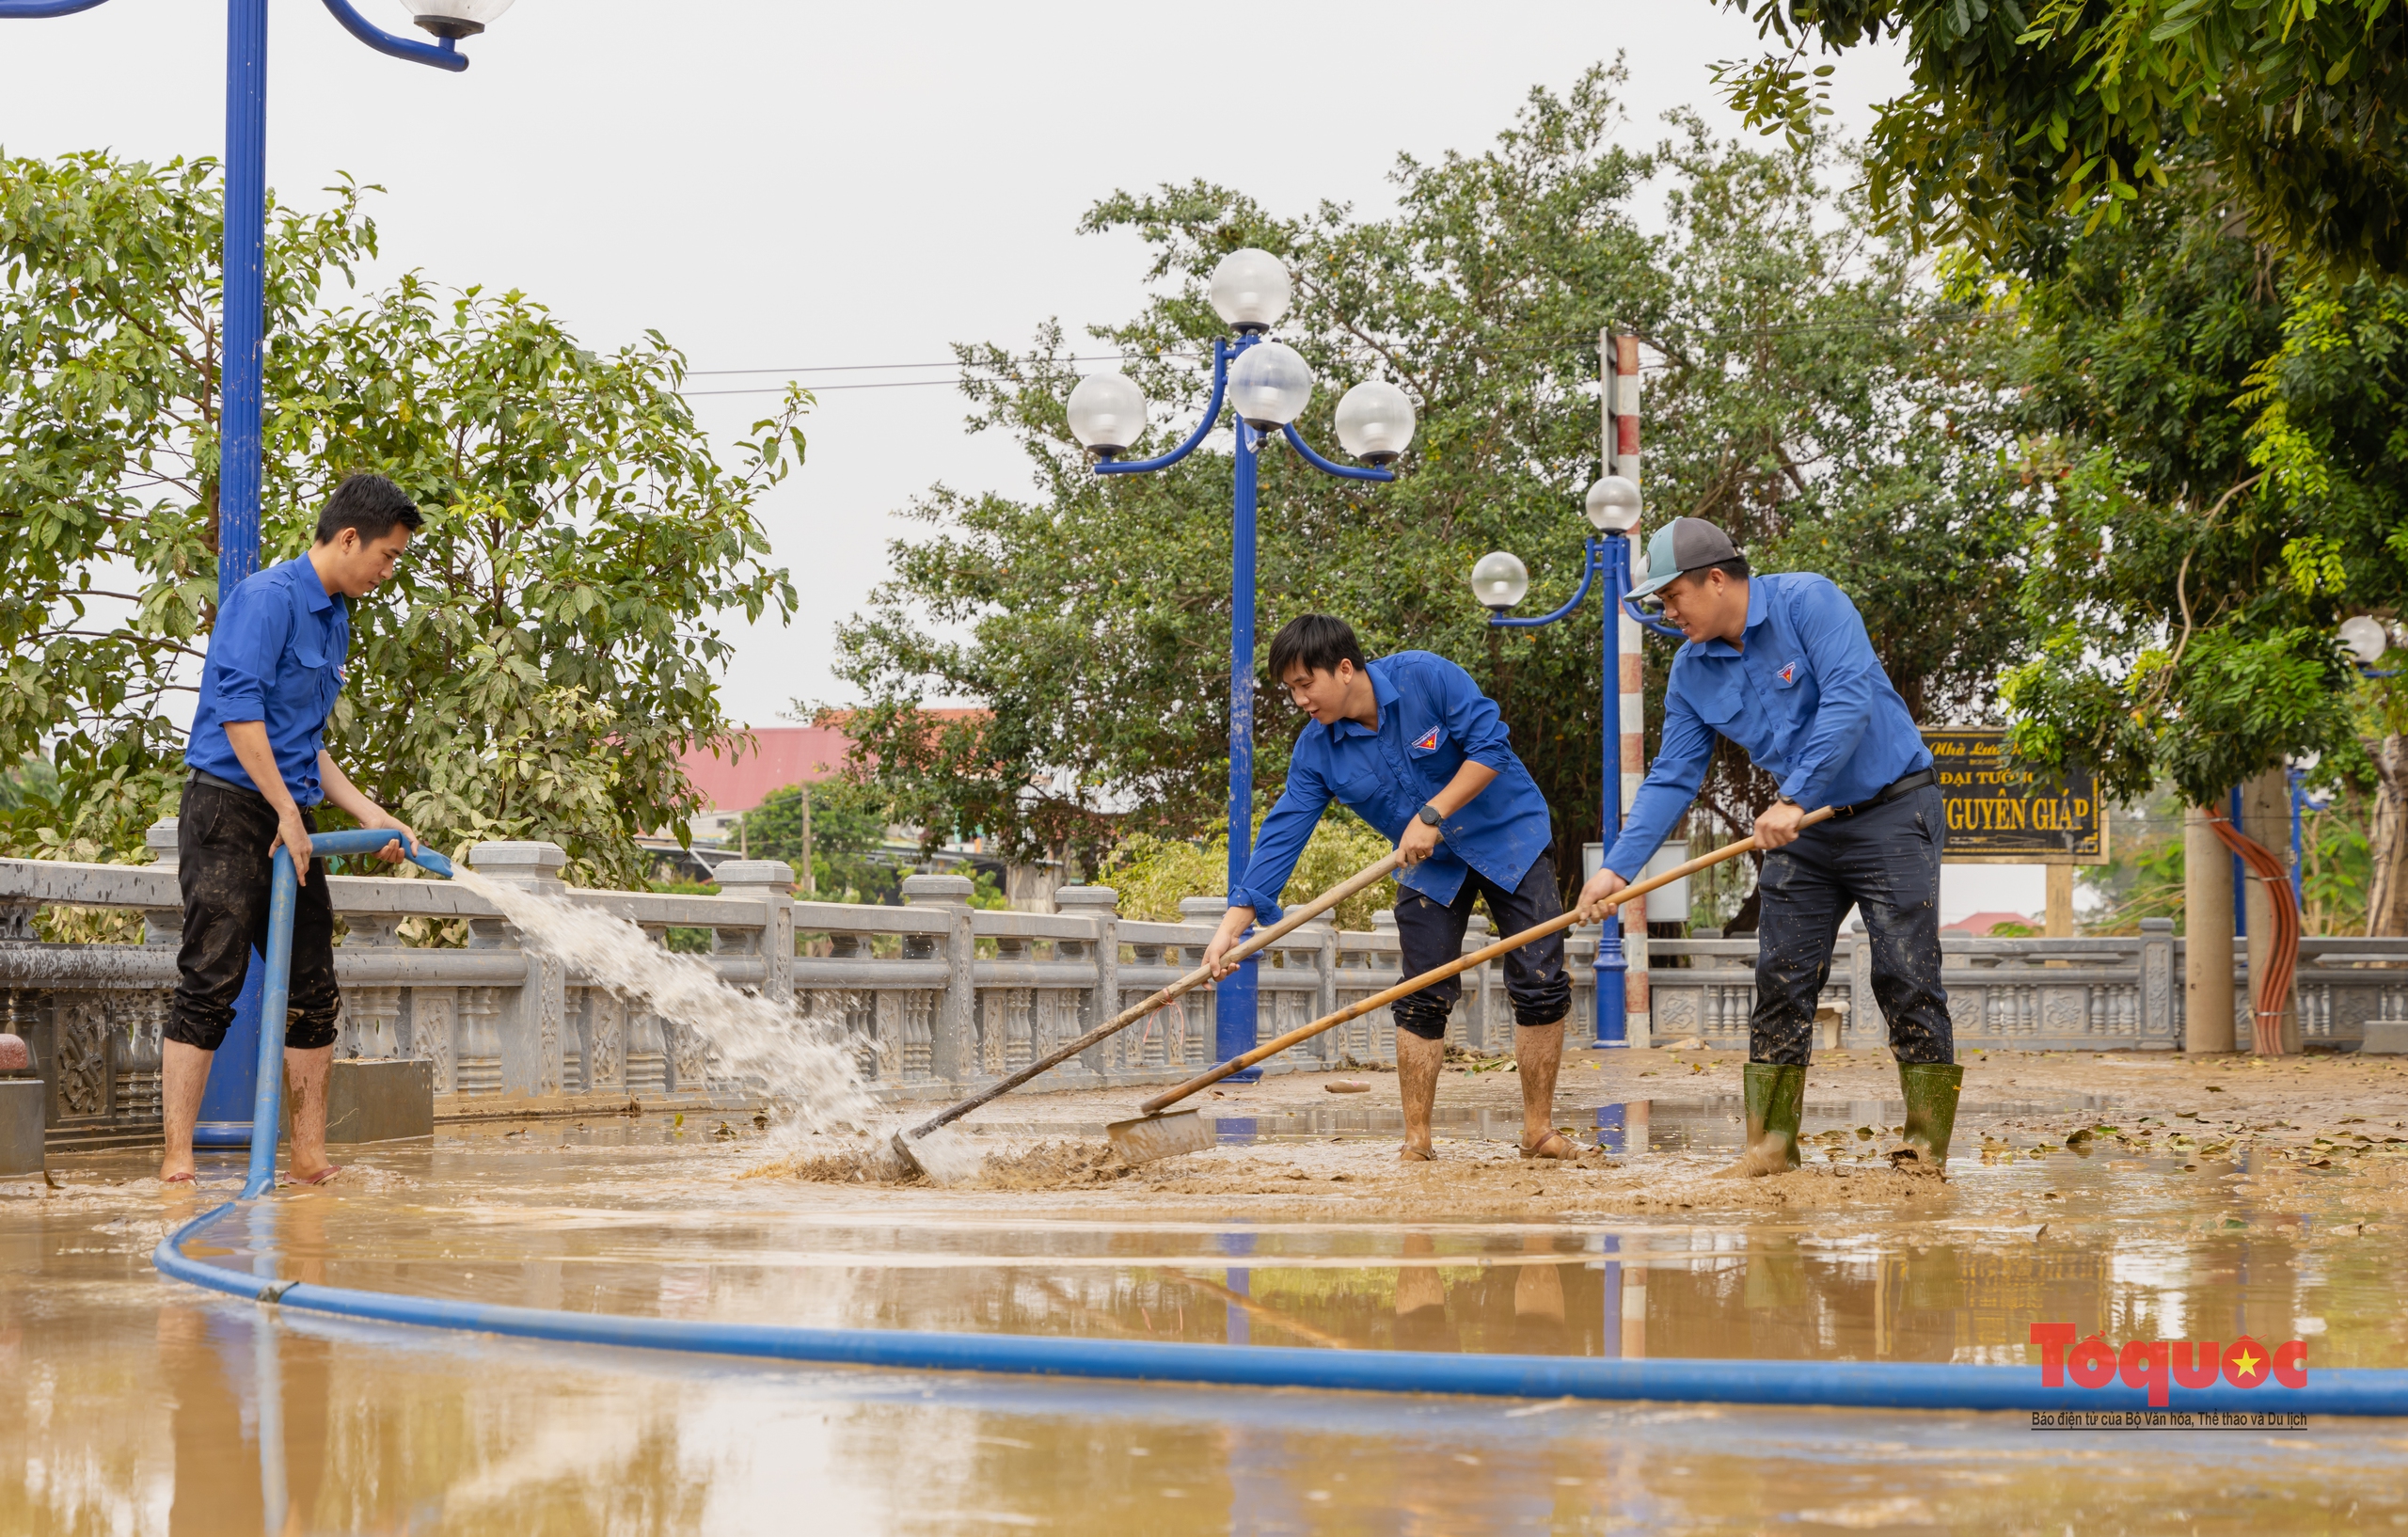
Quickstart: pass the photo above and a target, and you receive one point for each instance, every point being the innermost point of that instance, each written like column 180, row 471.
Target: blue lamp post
column 1500, row 581
column 1268, row 385
column 225, row 1104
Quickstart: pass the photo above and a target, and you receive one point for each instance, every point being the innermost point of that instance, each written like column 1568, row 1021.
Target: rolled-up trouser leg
column 1799, row 905
column 1430, row 934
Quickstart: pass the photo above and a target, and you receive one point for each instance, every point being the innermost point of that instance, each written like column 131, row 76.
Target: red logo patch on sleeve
column 1428, row 743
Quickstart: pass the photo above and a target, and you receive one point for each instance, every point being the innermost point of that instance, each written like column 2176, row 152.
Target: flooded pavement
column 139, row 1405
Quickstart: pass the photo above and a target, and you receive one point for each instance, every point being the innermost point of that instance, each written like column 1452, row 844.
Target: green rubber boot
column 1776, row 1099
column 1930, row 1089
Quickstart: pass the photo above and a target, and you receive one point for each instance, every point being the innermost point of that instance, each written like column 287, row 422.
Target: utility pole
column 1619, row 378
column 810, row 887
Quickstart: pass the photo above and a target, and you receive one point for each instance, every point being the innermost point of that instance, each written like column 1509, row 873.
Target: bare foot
column 1552, row 1144
column 177, row 1171
column 1409, row 1153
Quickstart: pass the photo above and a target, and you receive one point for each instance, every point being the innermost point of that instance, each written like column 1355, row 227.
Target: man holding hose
column 257, row 762
column 1411, row 745
column 1782, row 666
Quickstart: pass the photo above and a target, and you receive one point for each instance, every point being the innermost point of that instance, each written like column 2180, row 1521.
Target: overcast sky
column 778, row 185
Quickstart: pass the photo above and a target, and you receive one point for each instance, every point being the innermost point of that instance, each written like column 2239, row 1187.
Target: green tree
column 1810, row 394
column 1152, row 875
column 547, row 649
column 2023, row 113
column 2228, row 483
column 850, row 818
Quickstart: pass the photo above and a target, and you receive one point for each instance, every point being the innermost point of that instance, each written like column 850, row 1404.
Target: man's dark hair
column 1736, row 569
column 370, row 503
column 1317, row 641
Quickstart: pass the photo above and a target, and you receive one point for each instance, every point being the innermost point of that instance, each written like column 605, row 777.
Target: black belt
column 202, row 776
column 1896, row 788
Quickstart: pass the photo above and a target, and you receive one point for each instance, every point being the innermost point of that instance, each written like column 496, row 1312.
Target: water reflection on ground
column 2136, row 1247
column 144, row 1406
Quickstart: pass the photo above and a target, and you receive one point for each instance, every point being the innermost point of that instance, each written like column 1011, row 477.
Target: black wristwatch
column 1431, row 815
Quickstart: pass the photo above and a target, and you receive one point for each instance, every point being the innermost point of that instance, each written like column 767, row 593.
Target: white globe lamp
column 1500, row 581
column 1613, row 504
column 2365, row 638
column 455, row 18
column 1107, row 412
column 1250, row 289
column 1270, row 385
column 1375, row 421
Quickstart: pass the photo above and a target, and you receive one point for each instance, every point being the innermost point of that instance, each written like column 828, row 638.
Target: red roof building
column 1980, row 924
column 780, row 756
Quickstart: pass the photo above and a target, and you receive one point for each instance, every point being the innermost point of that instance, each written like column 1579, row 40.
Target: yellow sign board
column 1998, row 813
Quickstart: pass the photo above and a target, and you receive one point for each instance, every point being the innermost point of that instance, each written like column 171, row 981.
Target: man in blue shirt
column 257, row 761
column 1782, row 666
column 1411, row 745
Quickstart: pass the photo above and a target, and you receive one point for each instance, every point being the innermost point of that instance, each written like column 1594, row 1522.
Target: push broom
column 1153, row 1134
column 1296, row 918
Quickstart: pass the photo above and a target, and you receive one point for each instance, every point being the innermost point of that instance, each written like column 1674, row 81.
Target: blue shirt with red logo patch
column 1806, row 697
column 1432, row 718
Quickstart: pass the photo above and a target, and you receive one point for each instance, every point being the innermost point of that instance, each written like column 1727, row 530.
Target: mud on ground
column 2342, row 1117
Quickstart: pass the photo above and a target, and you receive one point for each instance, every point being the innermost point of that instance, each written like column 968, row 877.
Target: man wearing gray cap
column 1782, row 666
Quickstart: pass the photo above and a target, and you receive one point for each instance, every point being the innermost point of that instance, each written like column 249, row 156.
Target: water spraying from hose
column 803, row 1067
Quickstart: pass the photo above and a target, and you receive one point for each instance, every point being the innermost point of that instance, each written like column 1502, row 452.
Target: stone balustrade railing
column 2039, row 995
column 937, row 996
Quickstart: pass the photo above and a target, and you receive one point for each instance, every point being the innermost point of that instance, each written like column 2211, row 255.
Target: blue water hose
column 284, row 890
column 1862, row 1385
column 1857, row 1384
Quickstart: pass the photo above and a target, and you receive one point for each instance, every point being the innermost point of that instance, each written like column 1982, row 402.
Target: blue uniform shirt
column 1433, row 717
column 276, row 657
column 1807, row 699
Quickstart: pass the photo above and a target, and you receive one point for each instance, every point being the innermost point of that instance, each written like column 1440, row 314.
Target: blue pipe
column 1611, row 972
column 42, row 11
column 1237, row 996
column 284, row 892
column 1350, row 472
column 444, row 54
column 2239, row 876
column 245, row 307
column 1649, row 622
column 1858, row 1385
column 1221, row 355
column 1595, row 558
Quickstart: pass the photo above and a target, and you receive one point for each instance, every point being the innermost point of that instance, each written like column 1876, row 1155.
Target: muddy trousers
column 1885, row 861
column 222, row 839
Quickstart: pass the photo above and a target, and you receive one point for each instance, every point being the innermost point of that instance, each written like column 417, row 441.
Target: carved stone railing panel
column 935, row 995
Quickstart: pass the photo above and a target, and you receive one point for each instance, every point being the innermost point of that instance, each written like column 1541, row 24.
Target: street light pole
column 1236, row 1001
column 226, row 1104
column 1500, row 581
column 1269, row 385
column 243, row 256
column 243, row 295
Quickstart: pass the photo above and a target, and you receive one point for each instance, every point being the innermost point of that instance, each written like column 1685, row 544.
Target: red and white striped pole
column 1619, row 355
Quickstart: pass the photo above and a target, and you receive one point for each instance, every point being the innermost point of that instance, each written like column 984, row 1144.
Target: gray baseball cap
column 1682, row 546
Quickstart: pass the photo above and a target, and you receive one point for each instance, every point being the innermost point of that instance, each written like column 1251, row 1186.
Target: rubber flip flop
column 179, row 1180
column 321, row 1176
column 1416, row 1155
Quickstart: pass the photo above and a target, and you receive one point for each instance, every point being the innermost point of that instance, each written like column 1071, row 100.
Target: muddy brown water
column 135, row 1404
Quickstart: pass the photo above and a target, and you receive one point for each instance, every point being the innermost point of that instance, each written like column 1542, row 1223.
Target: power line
column 1357, row 349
